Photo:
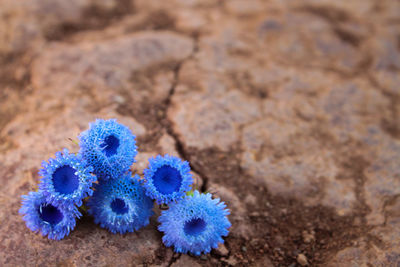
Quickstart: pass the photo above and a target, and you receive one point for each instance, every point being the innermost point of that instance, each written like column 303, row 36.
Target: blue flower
column 109, row 147
column 54, row 221
column 167, row 178
column 195, row 224
column 66, row 180
column 120, row 205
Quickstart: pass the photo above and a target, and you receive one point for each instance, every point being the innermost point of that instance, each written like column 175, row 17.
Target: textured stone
column 386, row 61
column 142, row 161
column 222, row 250
column 383, row 175
column 219, row 114
column 87, row 244
column 111, row 63
column 26, row 24
column 168, row 145
column 288, row 111
column 382, row 249
column 306, row 39
column 302, row 259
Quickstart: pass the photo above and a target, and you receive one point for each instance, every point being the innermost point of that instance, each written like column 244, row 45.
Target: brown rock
column 222, row 250
column 142, row 162
column 302, row 259
column 231, row 261
column 93, row 64
column 218, row 118
column 287, row 110
column 386, row 60
column 382, row 176
column 385, row 243
column 168, row 145
column 304, row 39
column 308, row 237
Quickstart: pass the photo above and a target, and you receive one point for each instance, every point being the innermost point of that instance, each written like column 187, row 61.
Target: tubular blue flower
column 120, row 205
column 66, row 180
column 195, row 224
column 167, row 178
column 109, row 147
column 40, row 215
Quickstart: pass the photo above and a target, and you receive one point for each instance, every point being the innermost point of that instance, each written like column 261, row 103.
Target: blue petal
column 47, row 218
column 195, row 224
column 66, row 180
column 120, row 205
column 109, row 147
column 167, row 178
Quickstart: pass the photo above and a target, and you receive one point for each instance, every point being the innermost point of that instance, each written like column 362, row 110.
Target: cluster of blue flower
column 99, row 177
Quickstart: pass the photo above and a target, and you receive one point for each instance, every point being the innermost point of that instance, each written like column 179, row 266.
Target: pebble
column 302, row 259
column 222, row 250
column 231, row 261
column 308, row 237
column 119, row 99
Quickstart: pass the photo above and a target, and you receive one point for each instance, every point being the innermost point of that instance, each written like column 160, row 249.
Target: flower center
column 50, row 214
column 119, row 206
column 167, row 180
column 64, row 180
column 110, row 145
column 194, row 227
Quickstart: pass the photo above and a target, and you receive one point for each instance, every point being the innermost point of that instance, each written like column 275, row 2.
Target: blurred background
column 286, row 110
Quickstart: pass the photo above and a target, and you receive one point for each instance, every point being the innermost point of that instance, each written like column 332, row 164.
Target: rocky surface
column 288, row 111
